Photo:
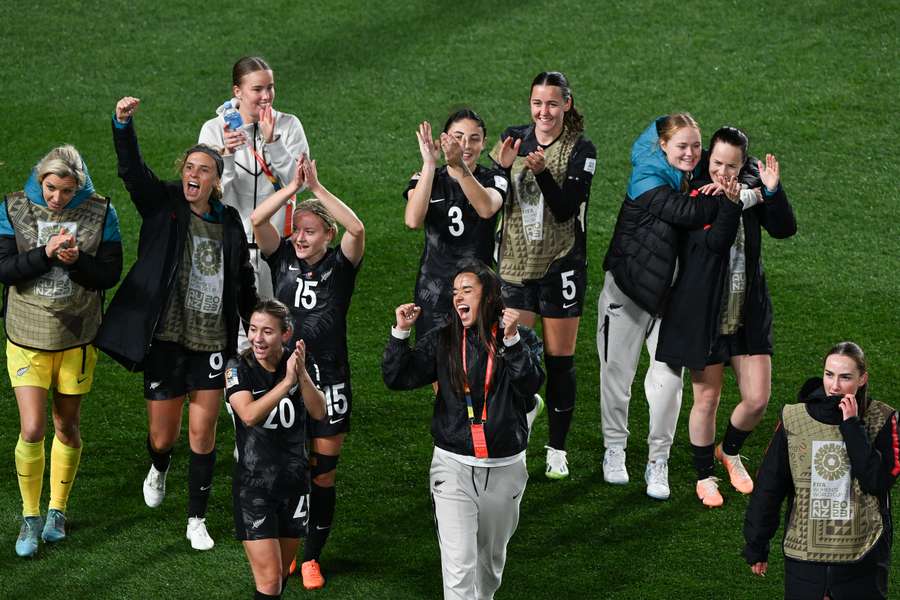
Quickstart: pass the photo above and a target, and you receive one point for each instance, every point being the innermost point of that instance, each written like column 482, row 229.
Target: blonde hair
column 317, row 208
column 63, row 161
column 667, row 127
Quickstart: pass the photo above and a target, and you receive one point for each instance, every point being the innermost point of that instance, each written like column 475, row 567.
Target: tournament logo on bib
column 830, row 482
column 55, row 283
column 204, row 292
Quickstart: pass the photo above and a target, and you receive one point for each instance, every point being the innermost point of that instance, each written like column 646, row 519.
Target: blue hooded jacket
column 650, row 168
column 36, row 195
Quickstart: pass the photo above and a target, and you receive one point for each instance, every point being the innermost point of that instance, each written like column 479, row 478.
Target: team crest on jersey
column 231, row 377
column 325, row 275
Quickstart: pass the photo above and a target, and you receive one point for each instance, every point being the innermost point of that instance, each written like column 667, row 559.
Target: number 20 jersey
column 319, row 298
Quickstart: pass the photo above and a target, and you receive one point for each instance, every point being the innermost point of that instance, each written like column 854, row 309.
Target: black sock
column 261, row 596
column 703, row 460
column 161, row 460
column 734, row 440
column 560, row 397
column 200, row 475
column 321, row 514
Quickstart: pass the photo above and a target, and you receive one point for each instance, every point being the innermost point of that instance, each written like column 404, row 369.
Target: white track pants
column 622, row 328
column 476, row 510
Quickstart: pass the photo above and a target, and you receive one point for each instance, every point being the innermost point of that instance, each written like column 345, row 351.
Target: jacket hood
column 35, row 193
column 649, row 166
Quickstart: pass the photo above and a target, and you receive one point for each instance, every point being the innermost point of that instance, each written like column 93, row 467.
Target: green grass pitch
column 814, row 82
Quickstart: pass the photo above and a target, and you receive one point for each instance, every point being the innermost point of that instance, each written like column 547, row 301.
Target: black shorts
column 557, row 295
column 260, row 514
column 338, row 404
column 171, row 370
column 726, row 346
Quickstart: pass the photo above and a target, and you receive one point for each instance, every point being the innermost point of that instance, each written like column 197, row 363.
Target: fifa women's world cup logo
column 830, row 489
column 831, row 461
column 207, row 278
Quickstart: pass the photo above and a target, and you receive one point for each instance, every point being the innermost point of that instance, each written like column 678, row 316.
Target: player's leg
column 663, row 388
column 322, row 498
column 203, row 413
column 560, row 336
column 707, row 388
column 498, row 516
column 30, row 460
column 754, row 379
column 264, row 557
column 621, row 331
column 74, row 380
column 456, row 520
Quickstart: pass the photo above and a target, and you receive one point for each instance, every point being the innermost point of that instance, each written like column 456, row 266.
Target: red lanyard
column 489, row 372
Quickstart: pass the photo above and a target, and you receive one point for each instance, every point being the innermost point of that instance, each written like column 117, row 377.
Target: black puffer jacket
column 694, row 309
column 133, row 314
column 875, row 465
column 517, row 377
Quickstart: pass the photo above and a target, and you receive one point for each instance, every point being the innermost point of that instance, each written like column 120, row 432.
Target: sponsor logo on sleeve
column 501, row 184
column 590, row 164
column 231, row 377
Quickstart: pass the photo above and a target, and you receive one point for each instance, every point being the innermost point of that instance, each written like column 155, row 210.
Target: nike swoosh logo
column 214, row 375
column 569, row 305
column 320, row 528
column 262, row 391
column 435, row 200
column 293, row 268
column 562, row 411
column 65, row 482
column 335, row 421
column 439, row 483
column 205, row 489
column 517, row 495
column 81, row 379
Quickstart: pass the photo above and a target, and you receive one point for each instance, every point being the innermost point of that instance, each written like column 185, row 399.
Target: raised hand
column 125, row 108
column 299, row 175
column 428, row 147
column 310, row 174
column 535, row 161
column 508, row 152
column 267, row 124
column 233, row 140
column 510, row 322
column 770, row 173
column 453, row 152
column 406, row 315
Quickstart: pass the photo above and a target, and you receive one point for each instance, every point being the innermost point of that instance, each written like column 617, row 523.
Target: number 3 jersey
column 453, row 232
column 319, row 298
column 272, row 454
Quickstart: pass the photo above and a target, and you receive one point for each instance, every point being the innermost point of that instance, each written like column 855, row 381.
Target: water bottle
column 232, row 116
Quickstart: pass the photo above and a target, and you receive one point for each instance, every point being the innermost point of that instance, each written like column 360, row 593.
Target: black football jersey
column 453, row 232
column 272, row 454
column 319, row 298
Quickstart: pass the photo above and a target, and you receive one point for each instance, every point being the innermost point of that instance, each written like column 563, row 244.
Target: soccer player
column 720, row 311
column 639, row 267
column 488, row 370
column 270, row 388
column 543, row 252
column 176, row 314
column 259, row 158
column 60, row 247
column 316, row 281
column 457, row 203
column 835, row 457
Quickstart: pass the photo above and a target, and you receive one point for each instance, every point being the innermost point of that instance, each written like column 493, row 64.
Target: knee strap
column 323, row 463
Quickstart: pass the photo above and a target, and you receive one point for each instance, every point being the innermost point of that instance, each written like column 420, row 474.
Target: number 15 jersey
column 319, row 298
